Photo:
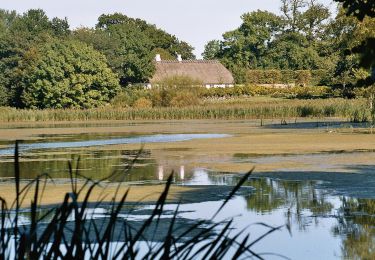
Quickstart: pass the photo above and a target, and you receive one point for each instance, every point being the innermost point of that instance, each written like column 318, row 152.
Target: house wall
column 208, row 86
column 218, row 85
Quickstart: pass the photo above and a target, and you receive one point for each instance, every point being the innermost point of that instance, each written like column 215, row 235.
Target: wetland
column 314, row 176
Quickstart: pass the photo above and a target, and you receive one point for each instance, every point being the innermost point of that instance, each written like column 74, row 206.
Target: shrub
column 122, row 99
column 271, row 76
column 303, row 77
column 185, row 98
column 176, row 91
column 142, row 103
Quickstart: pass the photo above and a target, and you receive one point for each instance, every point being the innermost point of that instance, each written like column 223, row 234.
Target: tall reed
column 210, row 109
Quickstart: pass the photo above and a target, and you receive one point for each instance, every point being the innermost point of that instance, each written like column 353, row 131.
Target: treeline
column 305, row 36
column 45, row 64
column 286, row 77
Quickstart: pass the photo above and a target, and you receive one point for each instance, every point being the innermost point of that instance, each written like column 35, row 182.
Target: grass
column 67, row 232
column 242, row 108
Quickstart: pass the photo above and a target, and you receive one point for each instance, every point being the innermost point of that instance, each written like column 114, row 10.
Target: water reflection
column 357, row 224
column 158, row 138
column 339, row 226
column 348, row 223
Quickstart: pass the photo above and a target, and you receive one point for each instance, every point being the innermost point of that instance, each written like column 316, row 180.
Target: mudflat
column 269, row 145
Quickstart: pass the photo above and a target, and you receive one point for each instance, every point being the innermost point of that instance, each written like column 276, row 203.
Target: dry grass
column 250, row 108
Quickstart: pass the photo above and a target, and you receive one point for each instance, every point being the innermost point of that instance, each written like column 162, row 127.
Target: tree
column 6, row 19
column 158, row 37
column 359, row 8
column 246, row 46
column 313, row 20
column 34, row 22
column 60, row 27
column 291, row 50
column 130, row 46
column 64, row 74
column 291, row 10
column 364, row 11
column 211, row 50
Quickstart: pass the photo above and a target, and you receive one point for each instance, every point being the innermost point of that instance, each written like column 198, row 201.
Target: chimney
column 157, row 58
column 179, row 58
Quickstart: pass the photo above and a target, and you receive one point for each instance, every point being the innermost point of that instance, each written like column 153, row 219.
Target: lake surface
column 331, row 214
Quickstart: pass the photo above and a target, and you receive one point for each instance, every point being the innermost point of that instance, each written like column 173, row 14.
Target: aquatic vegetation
column 242, row 108
column 66, row 231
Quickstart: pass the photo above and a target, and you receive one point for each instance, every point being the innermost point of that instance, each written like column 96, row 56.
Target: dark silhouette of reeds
column 54, row 234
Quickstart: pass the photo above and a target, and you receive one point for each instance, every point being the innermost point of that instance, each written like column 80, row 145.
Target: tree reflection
column 356, row 224
column 300, row 200
column 91, row 164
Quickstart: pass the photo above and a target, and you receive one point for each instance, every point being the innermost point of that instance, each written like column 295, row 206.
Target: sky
column 193, row 21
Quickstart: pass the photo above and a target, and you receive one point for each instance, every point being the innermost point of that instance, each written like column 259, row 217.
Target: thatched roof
column 207, row 72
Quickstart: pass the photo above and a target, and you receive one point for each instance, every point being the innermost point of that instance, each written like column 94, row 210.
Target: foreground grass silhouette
column 67, row 231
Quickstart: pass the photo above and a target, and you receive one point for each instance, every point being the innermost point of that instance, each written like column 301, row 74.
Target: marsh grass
column 243, row 108
column 67, row 232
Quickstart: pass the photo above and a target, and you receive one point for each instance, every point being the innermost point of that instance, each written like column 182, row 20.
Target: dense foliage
column 306, row 36
column 45, row 64
column 64, row 75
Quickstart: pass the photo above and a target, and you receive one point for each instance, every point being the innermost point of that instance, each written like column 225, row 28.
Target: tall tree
column 64, row 74
column 291, row 10
column 211, row 50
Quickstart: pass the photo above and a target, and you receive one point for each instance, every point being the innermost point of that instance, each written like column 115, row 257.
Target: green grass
column 235, row 108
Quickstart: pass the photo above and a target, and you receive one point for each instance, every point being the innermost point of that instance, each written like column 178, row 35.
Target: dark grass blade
column 234, row 190
column 17, row 183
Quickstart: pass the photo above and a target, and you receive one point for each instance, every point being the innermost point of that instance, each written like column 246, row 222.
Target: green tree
column 291, row 50
column 314, row 20
column 60, row 27
column 211, row 50
column 130, row 45
column 292, row 12
column 359, row 8
column 64, row 74
column 158, row 37
column 364, row 11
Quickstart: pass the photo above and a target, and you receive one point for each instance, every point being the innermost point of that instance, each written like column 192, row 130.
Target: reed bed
column 355, row 110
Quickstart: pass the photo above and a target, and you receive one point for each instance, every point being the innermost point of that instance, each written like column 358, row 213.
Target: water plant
column 213, row 108
column 67, row 231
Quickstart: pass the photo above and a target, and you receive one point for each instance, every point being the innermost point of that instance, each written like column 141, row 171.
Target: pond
column 331, row 215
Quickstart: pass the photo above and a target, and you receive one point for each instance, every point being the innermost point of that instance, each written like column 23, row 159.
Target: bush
column 128, row 96
column 185, row 98
column 142, row 103
column 176, row 91
column 286, row 92
column 303, row 77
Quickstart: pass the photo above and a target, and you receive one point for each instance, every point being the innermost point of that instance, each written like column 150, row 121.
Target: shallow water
column 322, row 225
column 159, row 138
column 331, row 214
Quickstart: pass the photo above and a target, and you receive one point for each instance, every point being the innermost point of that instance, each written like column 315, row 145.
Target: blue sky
column 194, row 21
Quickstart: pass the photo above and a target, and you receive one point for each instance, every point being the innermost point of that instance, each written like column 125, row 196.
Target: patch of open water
column 159, row 138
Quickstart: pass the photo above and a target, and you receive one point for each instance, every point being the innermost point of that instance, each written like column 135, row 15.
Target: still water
column 331, row 214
